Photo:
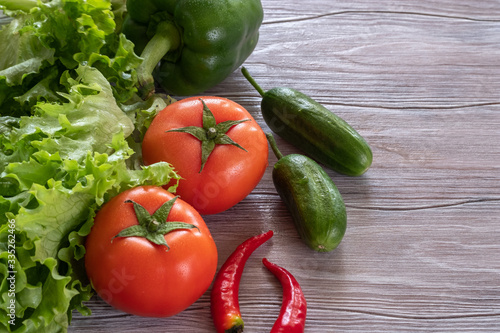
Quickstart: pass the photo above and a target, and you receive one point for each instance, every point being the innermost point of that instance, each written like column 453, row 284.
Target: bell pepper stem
column 165, row 39
column 24, row 5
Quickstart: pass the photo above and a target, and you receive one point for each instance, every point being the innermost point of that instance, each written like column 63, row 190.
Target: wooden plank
column 420, row 80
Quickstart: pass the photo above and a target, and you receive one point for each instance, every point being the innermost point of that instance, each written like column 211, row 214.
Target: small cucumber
column 314, row 129
column 313, row 200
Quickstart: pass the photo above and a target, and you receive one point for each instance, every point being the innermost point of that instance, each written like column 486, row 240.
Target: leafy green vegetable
column 71, row 124
column 57, row 167
column 45, row 39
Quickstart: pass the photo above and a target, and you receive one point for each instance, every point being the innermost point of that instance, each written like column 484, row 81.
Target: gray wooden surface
column 420, row 80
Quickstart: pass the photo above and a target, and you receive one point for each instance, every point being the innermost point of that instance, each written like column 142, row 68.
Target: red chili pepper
column 292, row 317
column 224, row 298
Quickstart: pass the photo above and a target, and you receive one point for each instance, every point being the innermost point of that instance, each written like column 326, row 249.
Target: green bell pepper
column 198, row 43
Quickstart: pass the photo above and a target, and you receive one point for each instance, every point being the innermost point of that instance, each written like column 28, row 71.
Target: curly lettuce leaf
column 57, row 168
column 44, row 39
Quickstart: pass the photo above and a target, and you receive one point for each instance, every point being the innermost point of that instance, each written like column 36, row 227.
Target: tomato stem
column 211, row 133
column 153, row 227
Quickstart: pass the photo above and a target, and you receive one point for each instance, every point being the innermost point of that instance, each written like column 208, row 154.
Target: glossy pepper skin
column 224, row 297
column 292, row 317
column 199, row 42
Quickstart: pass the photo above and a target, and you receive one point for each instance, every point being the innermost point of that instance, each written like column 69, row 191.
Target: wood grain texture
column 420, row 80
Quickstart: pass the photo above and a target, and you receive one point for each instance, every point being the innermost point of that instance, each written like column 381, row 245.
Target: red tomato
column 136, row 276
column 230, row 173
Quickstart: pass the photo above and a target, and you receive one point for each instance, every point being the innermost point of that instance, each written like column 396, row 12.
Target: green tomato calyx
column 211, row 133
column 154, row 227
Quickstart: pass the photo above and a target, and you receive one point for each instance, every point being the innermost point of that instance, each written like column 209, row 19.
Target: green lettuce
column 71, row 126
column 57, row 168
column 46, row 38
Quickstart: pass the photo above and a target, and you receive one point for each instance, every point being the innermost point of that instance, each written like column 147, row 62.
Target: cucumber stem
column 250, row 79
column 274, row 146
column 165, row 39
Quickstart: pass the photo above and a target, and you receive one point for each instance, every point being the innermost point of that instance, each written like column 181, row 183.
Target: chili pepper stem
column 250, row 79
column 274, row 146
column 165, row 39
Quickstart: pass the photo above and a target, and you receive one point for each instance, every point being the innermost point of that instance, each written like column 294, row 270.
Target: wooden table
column 420, row 80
